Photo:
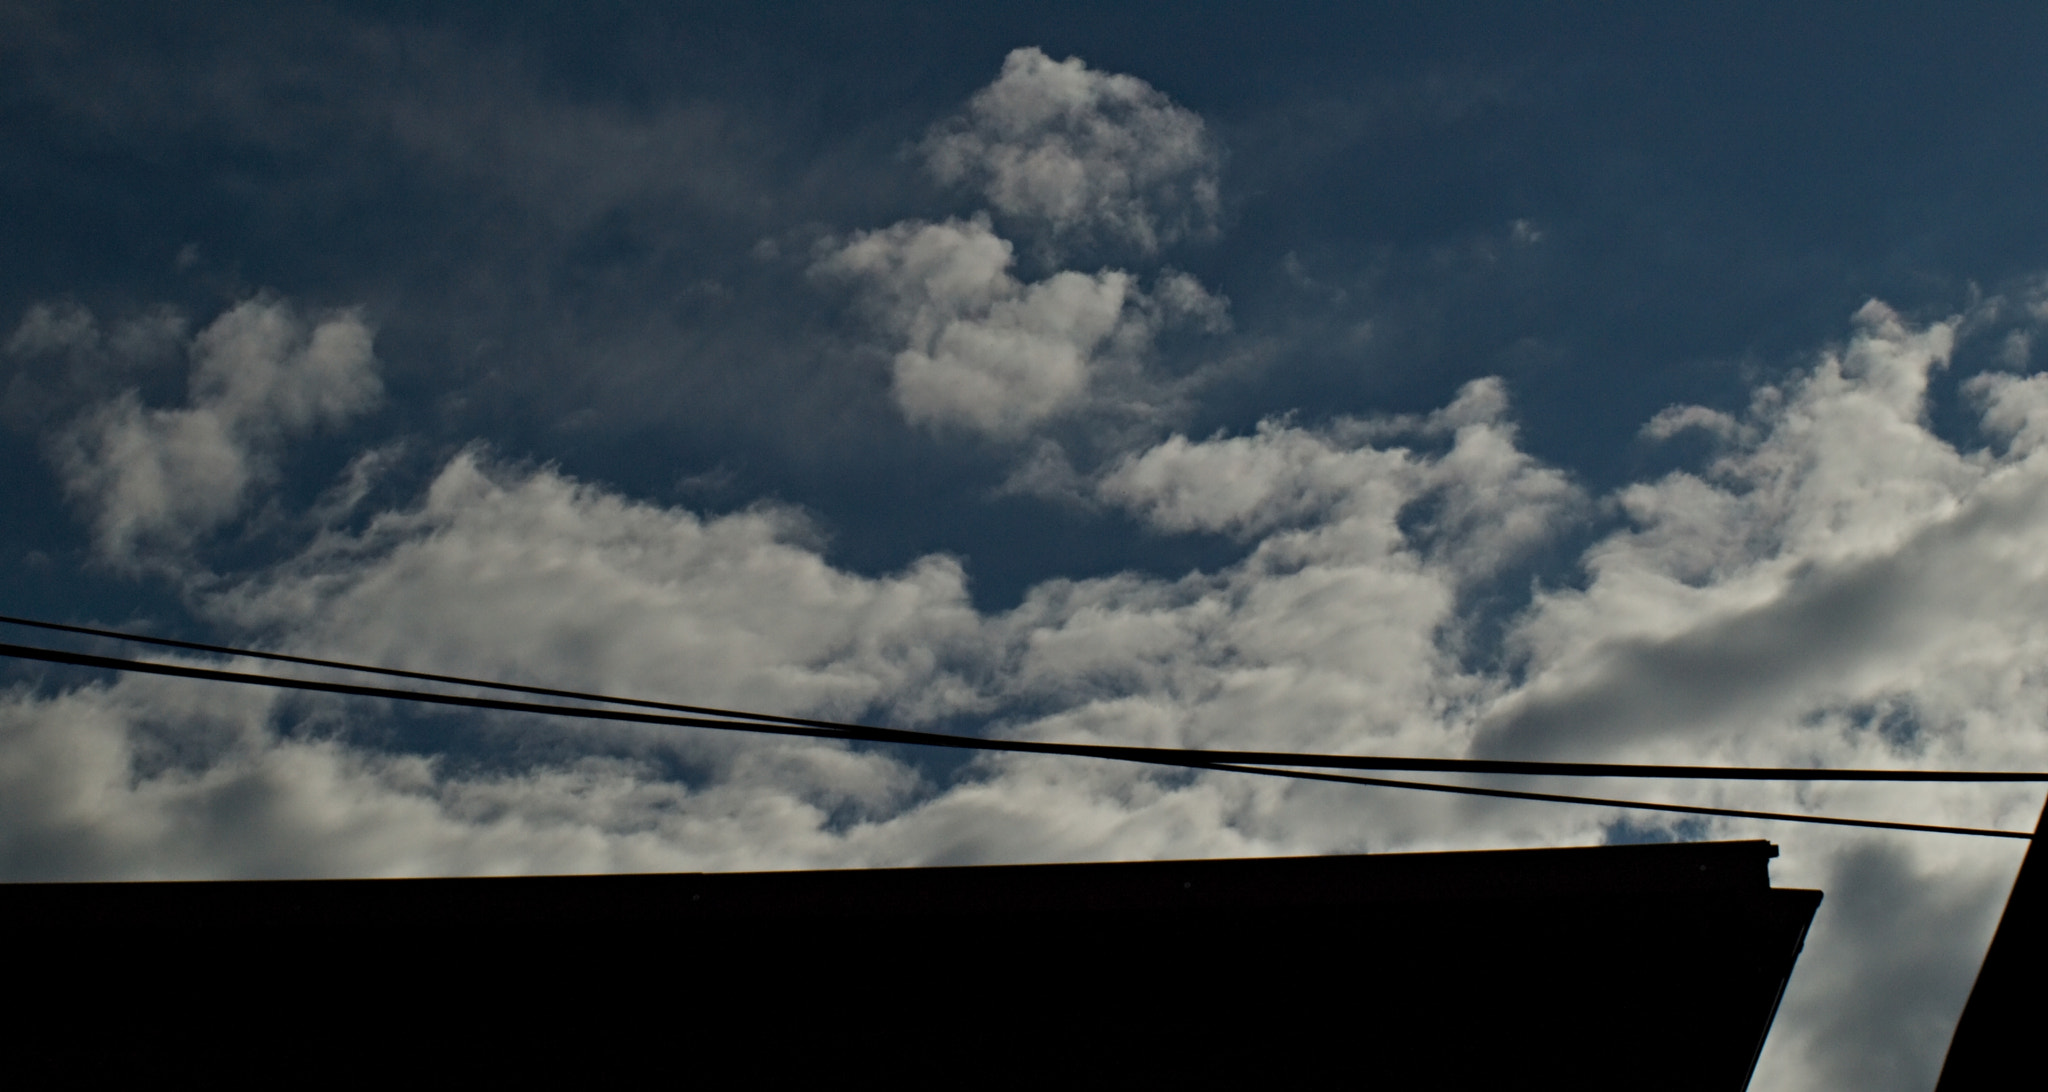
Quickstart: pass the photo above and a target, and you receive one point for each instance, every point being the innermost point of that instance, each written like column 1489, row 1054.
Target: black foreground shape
column 1997, row 1043
column 1652, row 966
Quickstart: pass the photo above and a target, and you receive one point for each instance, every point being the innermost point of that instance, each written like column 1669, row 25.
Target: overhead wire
column 1634, row 805
column 1271, row 764
column 394, row 672
column 720, row 718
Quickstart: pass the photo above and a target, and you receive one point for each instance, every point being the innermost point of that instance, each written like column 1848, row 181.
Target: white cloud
column 1840, row 587
column 1070, row 155
column 52, row 328
column 1673, row 420
column 1493, row 501
column 1250, row 484
column 81, row 798
column 1839, row 553
column 985, row 351
column 262, row 369
column 2015, row 408
column 156, row 478
column 1889, row 962
column 1081, row 154
column 533, row 575
column 1325, row 637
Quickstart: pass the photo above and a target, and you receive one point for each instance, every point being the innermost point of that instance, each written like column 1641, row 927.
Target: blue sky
column 1584, row 381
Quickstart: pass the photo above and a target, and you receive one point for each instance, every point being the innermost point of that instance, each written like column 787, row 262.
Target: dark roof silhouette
column 1651, row 966
column 1999, row 1033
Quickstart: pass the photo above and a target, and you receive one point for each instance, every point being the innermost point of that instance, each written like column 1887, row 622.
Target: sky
column 1592, row 382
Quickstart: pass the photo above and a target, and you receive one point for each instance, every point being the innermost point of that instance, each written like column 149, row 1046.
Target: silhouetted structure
column 1654, row 966
column 1999, row 1035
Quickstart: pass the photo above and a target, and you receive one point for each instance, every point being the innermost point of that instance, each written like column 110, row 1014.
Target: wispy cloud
column 1082, row 156
column 1841, row 587
column 989, row 353
column 159, row 478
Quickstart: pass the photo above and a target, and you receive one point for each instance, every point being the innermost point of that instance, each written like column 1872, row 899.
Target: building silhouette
column 1647, row 966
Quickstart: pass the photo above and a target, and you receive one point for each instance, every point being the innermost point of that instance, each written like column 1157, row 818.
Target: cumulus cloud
column 2015, row 408
column 162, row 477
column 85, row 794
column 1066, row 154
column 1325, row 637
column 1081, row 155
column 987, row 352
column 1837, row 553
column 618, row 596
column 1839, row 586
column 1493, row 501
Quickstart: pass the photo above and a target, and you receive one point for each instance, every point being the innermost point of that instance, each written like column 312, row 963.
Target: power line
column 1635, row 805
column 722, row 718
column 1181, row 758
column 400, row 673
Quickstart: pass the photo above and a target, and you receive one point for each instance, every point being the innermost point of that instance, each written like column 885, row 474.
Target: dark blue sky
column 1715, row 191
column 1305, row 376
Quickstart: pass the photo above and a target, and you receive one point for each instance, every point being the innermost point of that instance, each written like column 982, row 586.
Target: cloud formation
column 1492, row 501
column 1838, row 587
column 590, row 251
column 1082, row 155
column 159, row 478
column 989, row 353
column 621, row 596
column 1864, row 603
column 1836, row 555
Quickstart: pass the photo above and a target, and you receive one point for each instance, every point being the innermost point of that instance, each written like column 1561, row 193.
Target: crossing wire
column 1269, row 764
column 806, row 726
